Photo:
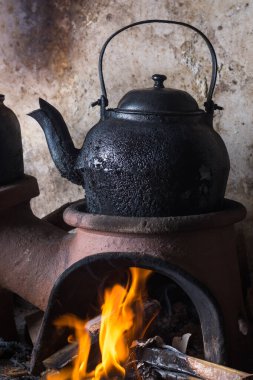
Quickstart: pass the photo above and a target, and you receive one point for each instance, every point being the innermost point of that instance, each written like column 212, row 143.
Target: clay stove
column 53, row 267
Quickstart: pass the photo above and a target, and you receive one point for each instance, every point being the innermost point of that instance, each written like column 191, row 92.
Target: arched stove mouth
column 76, row 289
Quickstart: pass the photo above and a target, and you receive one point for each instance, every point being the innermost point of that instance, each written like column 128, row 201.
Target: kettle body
column 176, row 166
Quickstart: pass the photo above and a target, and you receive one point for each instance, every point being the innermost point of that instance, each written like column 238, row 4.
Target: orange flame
column 79, row 370
column 121, row 323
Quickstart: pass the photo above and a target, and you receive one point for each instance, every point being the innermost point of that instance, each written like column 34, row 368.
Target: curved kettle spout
column 61, row 147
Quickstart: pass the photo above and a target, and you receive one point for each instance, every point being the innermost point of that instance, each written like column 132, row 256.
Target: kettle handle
column 209, row 104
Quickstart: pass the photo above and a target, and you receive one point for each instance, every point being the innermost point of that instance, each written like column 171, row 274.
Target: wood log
column 167, row 358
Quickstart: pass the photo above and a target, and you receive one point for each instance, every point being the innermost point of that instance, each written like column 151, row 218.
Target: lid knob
column 159, row 79
column 2, row 97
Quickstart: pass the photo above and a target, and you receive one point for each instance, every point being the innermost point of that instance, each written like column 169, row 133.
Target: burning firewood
column 106, row 346
column 66, row 355
column 153, row 360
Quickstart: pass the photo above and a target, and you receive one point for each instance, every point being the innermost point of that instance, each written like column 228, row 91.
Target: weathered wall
column 50, row 49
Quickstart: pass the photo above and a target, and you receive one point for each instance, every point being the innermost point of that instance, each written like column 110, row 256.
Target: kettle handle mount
column 209, row 104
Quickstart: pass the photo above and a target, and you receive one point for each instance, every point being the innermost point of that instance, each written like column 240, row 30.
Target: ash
column 14, row 361
column 15, row 356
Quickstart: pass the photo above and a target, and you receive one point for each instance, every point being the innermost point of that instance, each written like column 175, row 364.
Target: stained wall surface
column 50, row 49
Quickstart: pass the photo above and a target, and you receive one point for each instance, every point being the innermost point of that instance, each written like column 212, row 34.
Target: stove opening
column 137, row 305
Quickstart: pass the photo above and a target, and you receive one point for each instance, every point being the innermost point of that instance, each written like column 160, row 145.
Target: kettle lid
column 158, row 99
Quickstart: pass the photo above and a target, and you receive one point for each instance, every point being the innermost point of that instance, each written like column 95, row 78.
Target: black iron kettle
column 156, row 154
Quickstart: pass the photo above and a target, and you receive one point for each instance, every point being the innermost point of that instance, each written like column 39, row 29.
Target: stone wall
column 50, row 49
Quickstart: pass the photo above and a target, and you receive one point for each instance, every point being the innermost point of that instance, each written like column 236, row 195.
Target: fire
column 121, row 323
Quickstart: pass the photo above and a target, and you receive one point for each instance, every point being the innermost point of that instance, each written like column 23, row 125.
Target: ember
column 121, row 323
